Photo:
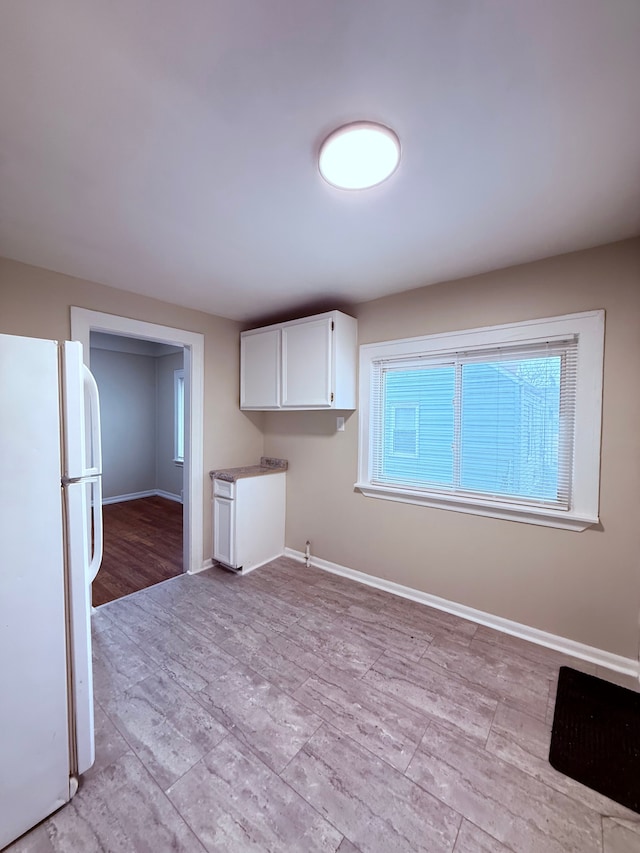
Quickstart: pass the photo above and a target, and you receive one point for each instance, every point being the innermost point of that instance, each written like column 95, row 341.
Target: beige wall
column 584, row 586
column 127, row 386
column 36, row 302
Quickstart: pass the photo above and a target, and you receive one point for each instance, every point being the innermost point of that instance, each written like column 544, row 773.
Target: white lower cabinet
column 224, row 524
column 248, row 520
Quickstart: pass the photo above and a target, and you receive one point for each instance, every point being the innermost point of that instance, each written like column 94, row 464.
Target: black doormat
column 596, row 736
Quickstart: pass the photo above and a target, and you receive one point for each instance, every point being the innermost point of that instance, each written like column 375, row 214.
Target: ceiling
column 171, row 148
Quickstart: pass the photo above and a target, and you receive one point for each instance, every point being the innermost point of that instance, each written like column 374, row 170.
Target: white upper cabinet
column 303, row 364
column 260, row 369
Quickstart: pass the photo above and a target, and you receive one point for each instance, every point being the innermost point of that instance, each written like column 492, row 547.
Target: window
column 178, row 407
column 402, row 430
column 501, row 421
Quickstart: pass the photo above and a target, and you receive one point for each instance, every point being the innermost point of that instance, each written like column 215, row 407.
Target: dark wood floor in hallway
column 142, row 546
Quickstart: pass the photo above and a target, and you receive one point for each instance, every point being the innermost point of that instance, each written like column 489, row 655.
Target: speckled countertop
column 268, row 465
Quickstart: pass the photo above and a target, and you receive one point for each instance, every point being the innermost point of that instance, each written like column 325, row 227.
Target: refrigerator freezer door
column 78, row 499
column 34, row 722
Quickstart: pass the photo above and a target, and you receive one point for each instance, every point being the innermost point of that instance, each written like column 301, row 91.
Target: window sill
column 509, row 512
column 179, row 462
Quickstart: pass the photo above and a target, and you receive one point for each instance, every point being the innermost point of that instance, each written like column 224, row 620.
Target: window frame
column 178, row 416
column 588, row 328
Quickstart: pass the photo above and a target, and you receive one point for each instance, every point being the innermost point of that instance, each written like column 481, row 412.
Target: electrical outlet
column 340, row 424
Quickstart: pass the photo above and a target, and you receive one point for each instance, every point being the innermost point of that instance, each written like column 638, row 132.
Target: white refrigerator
column 50, row 551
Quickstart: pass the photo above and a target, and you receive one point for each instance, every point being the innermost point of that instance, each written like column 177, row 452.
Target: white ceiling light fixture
column 359, row 155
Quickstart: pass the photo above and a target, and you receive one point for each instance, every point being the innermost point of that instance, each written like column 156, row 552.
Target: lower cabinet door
column 224, row 531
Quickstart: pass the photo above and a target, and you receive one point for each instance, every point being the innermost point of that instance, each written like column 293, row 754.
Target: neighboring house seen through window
column 402, row 429
column 501, row 421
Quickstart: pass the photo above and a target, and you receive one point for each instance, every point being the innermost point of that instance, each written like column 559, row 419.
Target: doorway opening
column 84, row 325
column 141, row 386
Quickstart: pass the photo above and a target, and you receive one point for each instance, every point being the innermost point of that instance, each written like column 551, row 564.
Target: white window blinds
column 497, row 423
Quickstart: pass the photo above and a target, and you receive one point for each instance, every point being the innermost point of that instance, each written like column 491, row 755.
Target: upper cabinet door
column 260, row 370
column 306, row 363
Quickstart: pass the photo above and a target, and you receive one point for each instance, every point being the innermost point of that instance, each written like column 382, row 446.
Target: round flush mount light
column 359, row 155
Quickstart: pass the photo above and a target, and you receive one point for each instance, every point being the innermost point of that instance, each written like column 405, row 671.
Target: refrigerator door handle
column 83, row 446
column 91, row 390
column 96, row 517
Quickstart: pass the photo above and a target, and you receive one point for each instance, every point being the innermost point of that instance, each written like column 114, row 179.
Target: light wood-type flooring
column 142, row 546
column 295, row 710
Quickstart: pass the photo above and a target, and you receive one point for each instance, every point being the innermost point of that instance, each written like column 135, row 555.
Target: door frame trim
column 83, row 322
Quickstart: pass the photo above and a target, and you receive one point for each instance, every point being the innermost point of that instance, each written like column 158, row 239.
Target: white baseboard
column 617, row 663
column 206, row 564
column 246, row 571
column 133, row 496
column 168, row 495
